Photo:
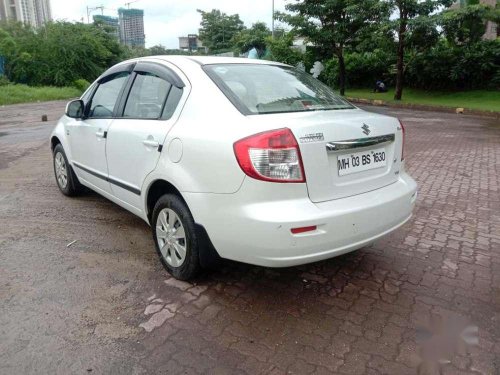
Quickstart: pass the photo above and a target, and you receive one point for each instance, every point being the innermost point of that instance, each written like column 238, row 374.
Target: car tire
column 175, row 237
column 65, row 176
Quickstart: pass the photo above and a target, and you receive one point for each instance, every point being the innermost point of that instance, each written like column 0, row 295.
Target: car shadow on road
column 311, row 284
column 356, row 280
column 326, row 278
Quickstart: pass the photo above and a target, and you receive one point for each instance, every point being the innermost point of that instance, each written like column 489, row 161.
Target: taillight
column 271, row 156
column 404, row 135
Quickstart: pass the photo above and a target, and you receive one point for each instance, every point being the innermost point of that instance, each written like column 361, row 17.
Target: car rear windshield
column 260, row 89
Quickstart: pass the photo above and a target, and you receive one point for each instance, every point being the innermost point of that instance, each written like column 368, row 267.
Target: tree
column 410, row 13
column 8, row 48
column 333, row 25
column 133, row 52
column 58, row 53
column 281, row 50
column 254, row 37
column 218, row 29
column 467, row 25
column 158, row 50
column 72, row 51
column 162, row 50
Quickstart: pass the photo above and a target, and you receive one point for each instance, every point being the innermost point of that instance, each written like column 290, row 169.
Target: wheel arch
column 54, row 141
column 155, row 190
column 209, row 257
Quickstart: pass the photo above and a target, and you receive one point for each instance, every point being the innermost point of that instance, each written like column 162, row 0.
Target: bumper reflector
column 303, row 229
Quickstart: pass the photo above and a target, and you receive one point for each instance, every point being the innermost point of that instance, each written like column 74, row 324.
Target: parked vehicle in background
column 241, row 159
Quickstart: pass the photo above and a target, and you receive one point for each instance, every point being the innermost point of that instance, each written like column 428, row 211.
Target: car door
column 87, row 137
column 135, row 139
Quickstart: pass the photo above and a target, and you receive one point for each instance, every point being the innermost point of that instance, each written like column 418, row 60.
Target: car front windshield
column 261, row 89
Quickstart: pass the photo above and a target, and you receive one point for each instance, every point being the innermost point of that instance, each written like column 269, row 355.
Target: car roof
column 190, row 62
column 207, row 60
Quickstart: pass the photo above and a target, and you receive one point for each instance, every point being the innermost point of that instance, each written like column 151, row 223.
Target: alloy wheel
column 171, row 237
column 61, row 170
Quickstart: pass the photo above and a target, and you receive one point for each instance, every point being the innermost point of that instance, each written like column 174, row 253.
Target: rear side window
column 173, row 99
column 104, row 100
column 261, row 89
column 147, row 97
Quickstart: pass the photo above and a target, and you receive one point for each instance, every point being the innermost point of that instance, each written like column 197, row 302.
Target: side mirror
column 74, row 108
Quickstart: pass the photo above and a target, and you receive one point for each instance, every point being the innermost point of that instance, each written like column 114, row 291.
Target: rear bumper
column 254, row 225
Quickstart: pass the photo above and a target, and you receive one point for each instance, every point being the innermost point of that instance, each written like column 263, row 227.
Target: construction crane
column 130, row 2
column 92, row 9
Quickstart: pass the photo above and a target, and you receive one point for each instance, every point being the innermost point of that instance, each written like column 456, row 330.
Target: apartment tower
column 131, row 27
column 32, row 12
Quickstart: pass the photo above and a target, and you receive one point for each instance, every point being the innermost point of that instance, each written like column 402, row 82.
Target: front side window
column 261, row 89
column 104, row 100
column 147, row 97
column 87, row 94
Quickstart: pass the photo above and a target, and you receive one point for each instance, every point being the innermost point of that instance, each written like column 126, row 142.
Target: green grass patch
column 11, row 93
column 476, row 99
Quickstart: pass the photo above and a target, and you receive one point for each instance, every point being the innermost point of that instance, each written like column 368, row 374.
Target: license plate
column 361, row 161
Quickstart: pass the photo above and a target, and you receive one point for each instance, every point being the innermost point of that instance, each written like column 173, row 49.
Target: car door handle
column 150, row 143
column 100, row 134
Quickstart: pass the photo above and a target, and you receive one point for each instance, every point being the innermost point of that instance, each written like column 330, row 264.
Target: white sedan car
column 235, row 158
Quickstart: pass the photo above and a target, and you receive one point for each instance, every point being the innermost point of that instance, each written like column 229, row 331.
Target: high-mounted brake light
column 271, row 156
column 404, row 136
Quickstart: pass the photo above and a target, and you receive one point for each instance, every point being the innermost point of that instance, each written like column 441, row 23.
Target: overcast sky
column 166, row 20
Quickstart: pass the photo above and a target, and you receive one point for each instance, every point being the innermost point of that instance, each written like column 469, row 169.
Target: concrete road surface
column 104, row 305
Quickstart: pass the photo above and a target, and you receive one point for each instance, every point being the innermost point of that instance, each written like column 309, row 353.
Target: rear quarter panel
column 205, row 132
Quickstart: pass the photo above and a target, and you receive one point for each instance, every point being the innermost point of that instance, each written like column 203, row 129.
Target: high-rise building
column 110, row 23
column 32, row 12
column 132, row 27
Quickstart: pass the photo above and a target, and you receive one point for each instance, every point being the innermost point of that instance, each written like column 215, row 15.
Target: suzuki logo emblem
column 366, row 129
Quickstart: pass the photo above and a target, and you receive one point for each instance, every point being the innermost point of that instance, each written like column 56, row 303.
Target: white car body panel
column 89, row 149
column 260, row 218
column 131, row 153
column 323, row 182
column 246, row 219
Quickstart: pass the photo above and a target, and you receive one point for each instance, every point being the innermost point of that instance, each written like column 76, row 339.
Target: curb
column 422, row 107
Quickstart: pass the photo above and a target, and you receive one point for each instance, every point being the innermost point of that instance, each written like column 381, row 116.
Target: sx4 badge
column 313, row 137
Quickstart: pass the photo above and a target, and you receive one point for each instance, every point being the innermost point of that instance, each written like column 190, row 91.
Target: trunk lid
column 344, row 152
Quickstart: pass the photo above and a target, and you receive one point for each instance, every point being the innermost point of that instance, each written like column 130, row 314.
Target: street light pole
column 272, row 22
